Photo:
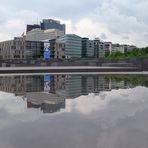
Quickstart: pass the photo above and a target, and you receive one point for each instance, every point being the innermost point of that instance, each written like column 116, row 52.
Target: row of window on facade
column 66, row 46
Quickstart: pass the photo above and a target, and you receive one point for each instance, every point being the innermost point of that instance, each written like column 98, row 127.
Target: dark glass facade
column 34, row 49
column 31, row 27
column 87, row 48
column 52, row 24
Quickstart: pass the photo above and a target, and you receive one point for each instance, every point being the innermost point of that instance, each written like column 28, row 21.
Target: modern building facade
column 59, row 53
column 87, row 48
column 122, row 48
column 42, row 35
column 19, row 48
column 52, row 44
column 71, row 45
column 52, row 24
column 34, row 49
column 13, row 49
column 107, row 47
column 101, row 48
column 21, row 84
column 117, row 48
column 128, row 48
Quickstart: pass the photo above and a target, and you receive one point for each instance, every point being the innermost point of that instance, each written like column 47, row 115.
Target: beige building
column 59, row 52
column 13, row 84
column 20, row 48
column 13, row 49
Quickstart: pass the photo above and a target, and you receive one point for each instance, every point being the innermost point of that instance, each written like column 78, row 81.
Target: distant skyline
column 110, row 20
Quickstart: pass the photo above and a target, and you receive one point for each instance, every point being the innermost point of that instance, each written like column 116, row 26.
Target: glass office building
column 87, row 48
column 34, row 49
column 73, row 46
column 52, row 24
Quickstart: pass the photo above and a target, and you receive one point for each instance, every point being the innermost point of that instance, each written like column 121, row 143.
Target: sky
column 117, row 21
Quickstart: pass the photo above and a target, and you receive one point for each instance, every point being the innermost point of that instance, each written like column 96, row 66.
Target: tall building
column 52, row 24
column 72, row 45
column 87, row 47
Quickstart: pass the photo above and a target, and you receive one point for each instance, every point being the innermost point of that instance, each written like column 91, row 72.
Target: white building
column 117, row 48
column 101, row 48
column 129, row 48
column 121, row 48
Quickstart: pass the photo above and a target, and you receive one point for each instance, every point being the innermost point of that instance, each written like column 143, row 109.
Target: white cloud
column 15, row 25
column 112, row 107
column 114, row 18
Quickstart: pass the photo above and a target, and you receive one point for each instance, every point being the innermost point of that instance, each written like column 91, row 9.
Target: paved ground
column 58, row 69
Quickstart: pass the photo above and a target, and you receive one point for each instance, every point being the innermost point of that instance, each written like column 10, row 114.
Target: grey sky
column 115, row 19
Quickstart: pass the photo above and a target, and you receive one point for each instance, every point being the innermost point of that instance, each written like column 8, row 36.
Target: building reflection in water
column 48, row 92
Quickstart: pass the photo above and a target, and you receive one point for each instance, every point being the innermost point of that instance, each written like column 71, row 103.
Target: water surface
column 73, row 111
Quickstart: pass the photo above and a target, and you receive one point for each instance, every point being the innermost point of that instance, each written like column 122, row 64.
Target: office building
column 19, row 48
column 52, row 24
column 13, row 49
column 42, row 35
column 101, row 48
column 117, row 48
column 87, row 48
column 71, row 45
column 52, row 44
column 13, row 84
column 34, row 49
column 60, row 51
column 128, row 48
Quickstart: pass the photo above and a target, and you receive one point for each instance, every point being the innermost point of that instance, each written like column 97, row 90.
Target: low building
column 101, row 48
column 52, row 47
column 129, row 48
column 34, row 49
column 117, row 48
column 13, row 49
column 70, row 44
column 87, row 48
column 122, row 48
column 13, row 84
column 60, row 51
column 19, row 48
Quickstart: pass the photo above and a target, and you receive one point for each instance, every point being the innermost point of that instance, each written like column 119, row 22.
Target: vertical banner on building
column 47, row 53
